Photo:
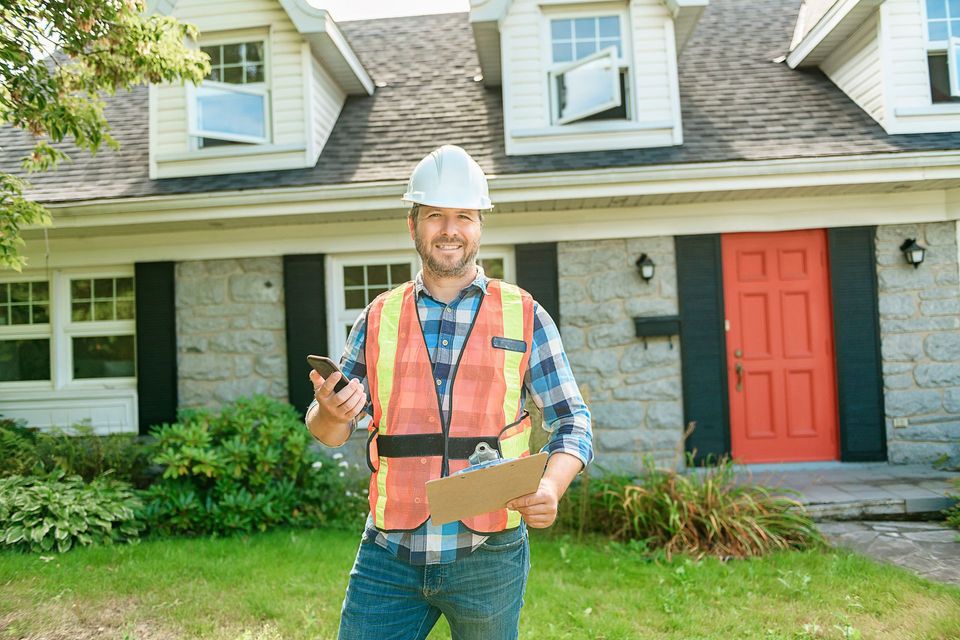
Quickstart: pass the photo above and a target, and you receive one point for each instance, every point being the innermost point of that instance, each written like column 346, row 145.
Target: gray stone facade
column 633, row 389
column 230, row 330
column 920, row 338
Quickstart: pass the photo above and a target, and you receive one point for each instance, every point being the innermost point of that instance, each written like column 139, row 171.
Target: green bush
column 76, row 450
column 56, row 512
column 248, row 467
column 695, row 514
column 953, row 513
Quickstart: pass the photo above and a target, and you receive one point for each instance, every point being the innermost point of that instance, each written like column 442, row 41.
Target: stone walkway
column 929, row 549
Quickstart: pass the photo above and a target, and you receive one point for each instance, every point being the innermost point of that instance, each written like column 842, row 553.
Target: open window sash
column 588, row 86
column 953, row 66
column 236, row 113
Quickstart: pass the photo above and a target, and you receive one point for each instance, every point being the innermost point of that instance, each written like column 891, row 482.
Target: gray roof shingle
column 737, row 105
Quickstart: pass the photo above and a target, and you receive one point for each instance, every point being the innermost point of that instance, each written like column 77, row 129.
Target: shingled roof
column 737, row 104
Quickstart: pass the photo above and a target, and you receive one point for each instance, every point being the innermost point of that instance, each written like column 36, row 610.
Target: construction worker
column 441, row 364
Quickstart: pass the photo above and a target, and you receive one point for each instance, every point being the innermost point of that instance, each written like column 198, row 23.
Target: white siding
column 524, row 41
column 855, row 67
column 170, row 144
column 326, row 102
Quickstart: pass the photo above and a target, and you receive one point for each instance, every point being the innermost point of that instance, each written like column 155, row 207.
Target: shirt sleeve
column 352, row 362
column 551, row 384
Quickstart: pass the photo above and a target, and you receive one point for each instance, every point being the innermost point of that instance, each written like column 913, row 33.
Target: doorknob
column 739, row 369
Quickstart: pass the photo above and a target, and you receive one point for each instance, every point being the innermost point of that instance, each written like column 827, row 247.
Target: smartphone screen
column 325, row 366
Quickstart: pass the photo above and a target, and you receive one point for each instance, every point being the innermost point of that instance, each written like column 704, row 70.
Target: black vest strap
column 430, row 444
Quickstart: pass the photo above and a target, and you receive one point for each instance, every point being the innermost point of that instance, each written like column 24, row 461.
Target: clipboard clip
column 483, row 453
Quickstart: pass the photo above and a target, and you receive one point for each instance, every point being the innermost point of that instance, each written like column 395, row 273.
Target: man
column 443, row 363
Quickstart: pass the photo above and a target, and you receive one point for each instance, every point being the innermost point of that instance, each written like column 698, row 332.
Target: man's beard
column 445, row 269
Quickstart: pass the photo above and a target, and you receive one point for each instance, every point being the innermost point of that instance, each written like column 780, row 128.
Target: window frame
column 948, row 47
column 548, row 13
column 62, row 329
column 30, row 331
column 615, row 77
column 264, row 88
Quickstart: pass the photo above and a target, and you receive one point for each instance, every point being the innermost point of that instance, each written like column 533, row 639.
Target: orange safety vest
column 409, row 442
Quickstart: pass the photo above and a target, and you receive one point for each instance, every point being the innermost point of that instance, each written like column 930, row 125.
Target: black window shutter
column 703, row 344
column 156, row 343
column 537, row 273
column 304, row 295
column 856, row 329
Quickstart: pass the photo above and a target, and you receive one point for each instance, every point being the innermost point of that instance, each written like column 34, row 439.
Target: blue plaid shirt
column 548, row 381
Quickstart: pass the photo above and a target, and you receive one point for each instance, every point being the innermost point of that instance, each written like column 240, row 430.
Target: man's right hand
column 341, row 407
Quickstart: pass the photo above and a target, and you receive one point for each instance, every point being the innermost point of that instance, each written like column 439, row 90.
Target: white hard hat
column 448, row 177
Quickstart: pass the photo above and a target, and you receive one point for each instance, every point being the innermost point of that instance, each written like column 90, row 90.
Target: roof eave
column 329, row 45
column 833, row 28
column 686, row 14
column 485, row 19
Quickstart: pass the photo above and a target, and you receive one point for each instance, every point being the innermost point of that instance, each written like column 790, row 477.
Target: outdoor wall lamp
column 913, row 252
column 645, row 266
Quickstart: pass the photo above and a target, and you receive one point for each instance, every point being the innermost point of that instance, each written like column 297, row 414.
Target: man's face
column 447, row 239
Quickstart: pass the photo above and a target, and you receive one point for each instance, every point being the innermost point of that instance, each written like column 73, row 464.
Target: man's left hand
column 539, row 509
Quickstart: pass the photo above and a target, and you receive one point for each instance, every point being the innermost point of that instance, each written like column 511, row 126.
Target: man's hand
column 339, row 407
column 539, row 509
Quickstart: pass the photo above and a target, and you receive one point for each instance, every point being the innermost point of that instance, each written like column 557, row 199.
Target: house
column 774, row 162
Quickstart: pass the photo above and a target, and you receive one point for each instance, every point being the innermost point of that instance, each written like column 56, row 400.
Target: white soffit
column 833, row 28
column 686, row 14
column 485, row 17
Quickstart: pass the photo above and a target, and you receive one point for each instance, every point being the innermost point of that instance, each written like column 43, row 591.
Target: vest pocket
column 515, row 438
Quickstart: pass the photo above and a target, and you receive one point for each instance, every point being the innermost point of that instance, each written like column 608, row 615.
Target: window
column 588, row 74
column 943, row 48
column 67, row 329
column 24, row 331
column 231, row 106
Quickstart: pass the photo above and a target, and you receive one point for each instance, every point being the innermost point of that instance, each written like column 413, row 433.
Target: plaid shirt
column 548, row 381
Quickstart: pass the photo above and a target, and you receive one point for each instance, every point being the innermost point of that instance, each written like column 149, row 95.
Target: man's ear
column 410, row 227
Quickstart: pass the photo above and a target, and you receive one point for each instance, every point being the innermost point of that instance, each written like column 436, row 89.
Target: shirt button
column 444, row 343
column 449, row 310
column 438, row 382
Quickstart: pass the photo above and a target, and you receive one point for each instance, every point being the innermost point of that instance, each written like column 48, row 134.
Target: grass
column 290, row 584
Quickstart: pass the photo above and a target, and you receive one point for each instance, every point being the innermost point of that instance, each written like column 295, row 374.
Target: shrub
column 692, row 513
column 55, row 512
column 76, row 450
column 249, row 467
column 953, row 513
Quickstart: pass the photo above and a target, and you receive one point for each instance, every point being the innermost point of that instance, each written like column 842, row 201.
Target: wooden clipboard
column 483, row 490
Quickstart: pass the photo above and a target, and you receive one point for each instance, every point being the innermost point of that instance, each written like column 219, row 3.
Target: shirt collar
column 480, row 282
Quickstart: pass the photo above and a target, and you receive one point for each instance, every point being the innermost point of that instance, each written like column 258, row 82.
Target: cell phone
column 325, row 366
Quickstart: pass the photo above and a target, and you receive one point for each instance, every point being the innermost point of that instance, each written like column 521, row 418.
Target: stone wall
column 920, row 337
column 633, row 390
column 230, row 330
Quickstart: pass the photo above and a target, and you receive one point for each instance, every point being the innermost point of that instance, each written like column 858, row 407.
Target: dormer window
column 589, row 70
column 943, row 49
column 232, row 105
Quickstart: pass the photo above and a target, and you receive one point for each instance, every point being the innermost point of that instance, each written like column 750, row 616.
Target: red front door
column 776, row 290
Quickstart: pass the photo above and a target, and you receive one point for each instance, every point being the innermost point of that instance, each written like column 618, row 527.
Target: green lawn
column 289, row 584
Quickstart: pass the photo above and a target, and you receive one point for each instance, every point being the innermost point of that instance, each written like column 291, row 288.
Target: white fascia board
column 485, row 18
column 488, row 10
column 686, row 14
column 836, row 25
column 327, row 40
column 520, row 188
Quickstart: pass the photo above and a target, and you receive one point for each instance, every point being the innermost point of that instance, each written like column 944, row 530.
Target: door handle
column 739, row 369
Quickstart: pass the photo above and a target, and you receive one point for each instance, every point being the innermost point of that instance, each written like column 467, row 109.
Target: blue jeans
column 480, row 595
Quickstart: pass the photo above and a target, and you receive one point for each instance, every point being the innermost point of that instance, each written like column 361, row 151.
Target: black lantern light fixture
column 646, row 267
column 913, row 252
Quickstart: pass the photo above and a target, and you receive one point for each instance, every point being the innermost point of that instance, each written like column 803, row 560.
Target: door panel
column 780, row 362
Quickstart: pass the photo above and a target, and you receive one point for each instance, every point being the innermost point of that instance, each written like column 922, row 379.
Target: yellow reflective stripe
column 512, row 304
column 514, row 446
column 513, row 519
column 387, row 340
column 381, row 493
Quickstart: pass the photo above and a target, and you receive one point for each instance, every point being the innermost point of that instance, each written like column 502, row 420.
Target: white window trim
column 257, row 89
column 338, row 316
column 264, row 34
column 933, row 46
column 598, row 10
column 61, row 330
